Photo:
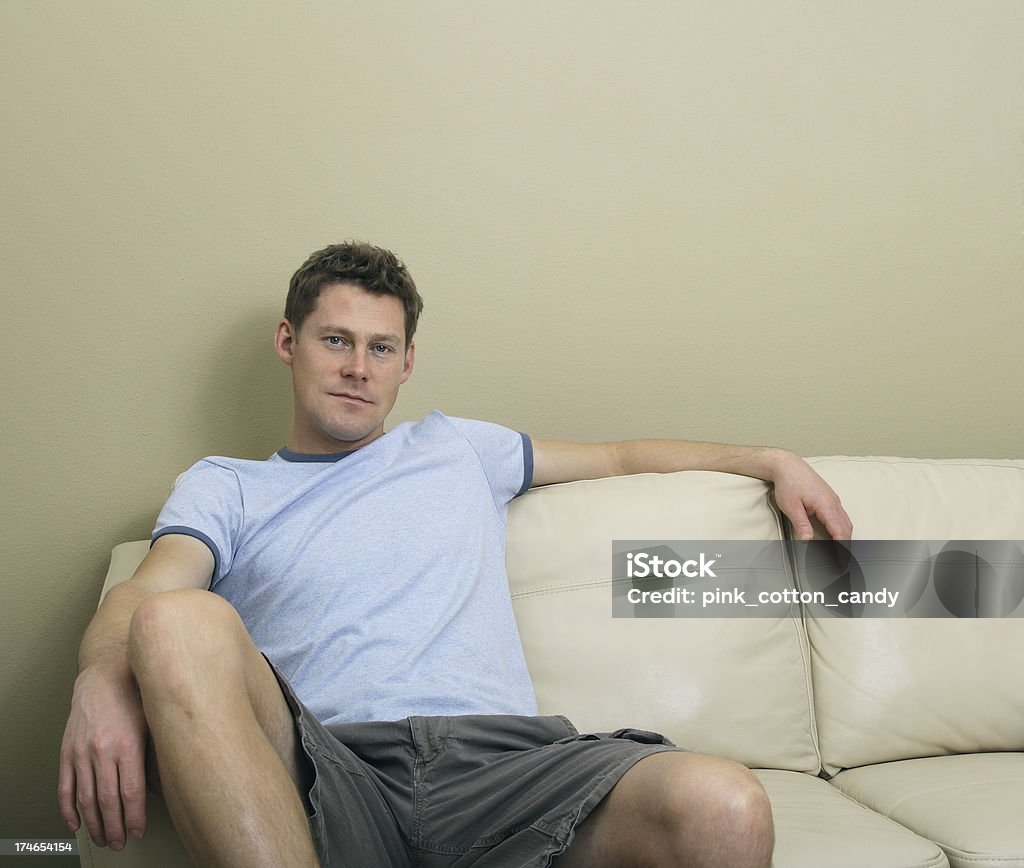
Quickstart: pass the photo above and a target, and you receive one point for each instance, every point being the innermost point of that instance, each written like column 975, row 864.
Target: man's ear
column 410, row 358
column 284, row 340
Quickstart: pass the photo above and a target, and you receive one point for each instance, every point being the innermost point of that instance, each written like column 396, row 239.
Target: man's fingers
column 837, row 523
column 804, row 530
column 799, row 519
column 66, row 794
column 108, row 796
column 111, row 801
column 840, row 530
column 132, row 776
column 85, row 794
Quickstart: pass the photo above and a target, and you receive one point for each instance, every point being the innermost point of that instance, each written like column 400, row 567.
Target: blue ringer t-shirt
column 374, row 579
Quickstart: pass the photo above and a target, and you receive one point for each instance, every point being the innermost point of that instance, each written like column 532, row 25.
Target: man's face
column 348, row 361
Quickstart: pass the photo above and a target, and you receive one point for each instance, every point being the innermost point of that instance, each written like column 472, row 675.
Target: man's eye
column 334, row 340
column 382, row 348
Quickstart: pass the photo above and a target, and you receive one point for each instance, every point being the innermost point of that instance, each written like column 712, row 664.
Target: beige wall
column 795, row 222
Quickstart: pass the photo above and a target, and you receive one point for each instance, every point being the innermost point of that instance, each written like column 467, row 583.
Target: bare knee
column 730, row 807
column 171, row 632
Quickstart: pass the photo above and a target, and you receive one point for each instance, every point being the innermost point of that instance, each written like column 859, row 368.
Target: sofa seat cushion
column 733, row 687
column 972, row 805
column 816, row 826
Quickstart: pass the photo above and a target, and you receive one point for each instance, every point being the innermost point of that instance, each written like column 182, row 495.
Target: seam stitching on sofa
column 967, row 857
column 547, row 590
column 952, row 787
column 935, row 462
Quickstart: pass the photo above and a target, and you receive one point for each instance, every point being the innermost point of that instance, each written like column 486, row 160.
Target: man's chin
column 348, row 439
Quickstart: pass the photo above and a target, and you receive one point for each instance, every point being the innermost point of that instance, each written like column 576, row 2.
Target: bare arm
column 102, row 755
column 799, row 491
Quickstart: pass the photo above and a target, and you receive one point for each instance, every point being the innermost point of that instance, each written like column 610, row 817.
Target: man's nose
column 354, row 365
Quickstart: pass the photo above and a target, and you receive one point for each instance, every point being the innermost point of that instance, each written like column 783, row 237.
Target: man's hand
column 102, row 760
column 801, row 493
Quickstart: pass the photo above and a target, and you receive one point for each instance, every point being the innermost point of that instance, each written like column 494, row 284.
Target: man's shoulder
column 228, row 468
column 437, row 423
column 465, row 425
column 235, row 465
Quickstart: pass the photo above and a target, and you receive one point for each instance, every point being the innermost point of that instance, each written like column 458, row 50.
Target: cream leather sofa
column 892, row 743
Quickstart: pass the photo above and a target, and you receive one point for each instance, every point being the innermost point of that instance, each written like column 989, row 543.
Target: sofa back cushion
column 891, row 689
column 733, row 687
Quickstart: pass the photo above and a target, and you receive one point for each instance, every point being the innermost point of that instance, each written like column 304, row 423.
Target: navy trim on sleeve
column 527, row 464
column 197, row 534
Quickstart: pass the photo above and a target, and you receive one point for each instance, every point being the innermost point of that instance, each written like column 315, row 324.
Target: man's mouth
column 350, row 396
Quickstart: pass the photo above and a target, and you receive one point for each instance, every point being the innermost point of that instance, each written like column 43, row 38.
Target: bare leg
column 231, row 768
column 678, row 809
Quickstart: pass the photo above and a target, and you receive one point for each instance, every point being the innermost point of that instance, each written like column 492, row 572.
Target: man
column 395, row 723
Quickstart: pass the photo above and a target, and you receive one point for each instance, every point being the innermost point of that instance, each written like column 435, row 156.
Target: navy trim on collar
column 288, row 455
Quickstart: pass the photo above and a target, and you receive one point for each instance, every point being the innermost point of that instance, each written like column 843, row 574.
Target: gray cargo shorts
column 494, row 791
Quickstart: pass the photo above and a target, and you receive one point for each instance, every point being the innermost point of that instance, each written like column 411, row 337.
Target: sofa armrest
column 124, row 559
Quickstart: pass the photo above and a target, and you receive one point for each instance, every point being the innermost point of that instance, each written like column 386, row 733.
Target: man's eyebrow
column 380, row 337
column 385, row 338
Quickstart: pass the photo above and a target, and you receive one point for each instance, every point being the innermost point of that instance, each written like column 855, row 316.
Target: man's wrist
column 113, row 670
column 775, row 462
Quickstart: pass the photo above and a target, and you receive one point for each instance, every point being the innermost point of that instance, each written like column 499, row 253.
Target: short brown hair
column 373, row 269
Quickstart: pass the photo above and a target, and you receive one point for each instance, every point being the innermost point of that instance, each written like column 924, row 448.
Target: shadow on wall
column 243, row 395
